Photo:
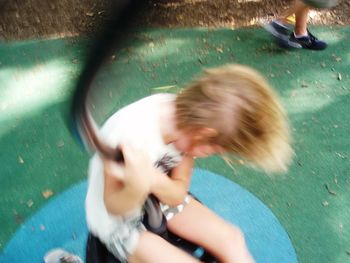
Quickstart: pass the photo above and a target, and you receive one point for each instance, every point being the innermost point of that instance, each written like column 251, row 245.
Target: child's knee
column 234, row 238
column 234, row 248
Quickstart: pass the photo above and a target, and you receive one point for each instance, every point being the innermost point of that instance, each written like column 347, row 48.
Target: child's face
column 196, row 144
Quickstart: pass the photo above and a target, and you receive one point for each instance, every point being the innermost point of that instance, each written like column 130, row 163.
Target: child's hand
column 113, row 169
column 172, row 190
column 126, row 186
column 139, row 169
column 137, row 172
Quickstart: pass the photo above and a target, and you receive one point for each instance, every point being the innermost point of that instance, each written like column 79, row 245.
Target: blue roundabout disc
column 61, row 223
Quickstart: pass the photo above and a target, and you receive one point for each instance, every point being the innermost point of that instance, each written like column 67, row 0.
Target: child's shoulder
column 137, row 120
column 155, row 99
column 142, row 109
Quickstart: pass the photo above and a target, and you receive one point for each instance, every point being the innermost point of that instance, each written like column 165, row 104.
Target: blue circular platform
column 61, row 223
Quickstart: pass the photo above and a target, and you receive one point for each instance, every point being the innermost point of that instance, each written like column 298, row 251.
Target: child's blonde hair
column 239, row 104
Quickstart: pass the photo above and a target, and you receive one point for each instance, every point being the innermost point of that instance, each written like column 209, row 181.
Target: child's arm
column 127, row 186
column 172, row 190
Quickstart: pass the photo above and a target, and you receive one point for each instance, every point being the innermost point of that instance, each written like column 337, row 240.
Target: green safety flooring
column 39, row 157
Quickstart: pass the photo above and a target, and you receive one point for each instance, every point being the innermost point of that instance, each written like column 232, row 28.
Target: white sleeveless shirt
column 137, row 125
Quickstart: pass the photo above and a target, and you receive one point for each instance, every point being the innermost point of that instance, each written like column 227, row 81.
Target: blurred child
column 227, row 110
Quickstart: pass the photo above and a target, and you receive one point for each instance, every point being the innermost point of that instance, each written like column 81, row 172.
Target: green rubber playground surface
column 40, row 159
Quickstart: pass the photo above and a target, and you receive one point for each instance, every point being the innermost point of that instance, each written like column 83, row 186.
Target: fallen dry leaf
column 20, row 159
column 60, row 144
column 218, row 49
column 339, row 76
column 30, row 203
column 47, row 193
column 165, row 87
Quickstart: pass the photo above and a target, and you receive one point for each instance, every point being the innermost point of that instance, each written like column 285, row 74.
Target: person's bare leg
column 301, row 18
column 200, row 225
column 296, row 8
column 152, row 248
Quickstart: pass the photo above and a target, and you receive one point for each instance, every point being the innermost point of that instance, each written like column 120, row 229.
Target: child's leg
column 200, row 225
column 297, row 7
column 301, row 18
column 152, row 248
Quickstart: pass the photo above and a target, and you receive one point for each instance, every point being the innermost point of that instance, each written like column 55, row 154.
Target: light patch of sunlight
column 338, row 218
column 158, row 49
column 257, row 21
column 27, row 90
column 248, row 1
column 317, row 17
column 181, row 3
column 60, row 35
column 306, row 100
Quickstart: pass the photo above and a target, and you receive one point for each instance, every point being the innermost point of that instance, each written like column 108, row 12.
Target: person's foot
column 281, row 33
column 277, row 29
column 308, row 42
column 61, row 256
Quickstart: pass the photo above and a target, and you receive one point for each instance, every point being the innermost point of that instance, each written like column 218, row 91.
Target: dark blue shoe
column 308, row 42
column 281, row 33
column 277, row 29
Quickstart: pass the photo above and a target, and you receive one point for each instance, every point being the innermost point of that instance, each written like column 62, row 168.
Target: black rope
column 115, row 32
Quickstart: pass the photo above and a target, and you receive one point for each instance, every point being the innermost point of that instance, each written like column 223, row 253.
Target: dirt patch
column 234, row 13
column 59, row 18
